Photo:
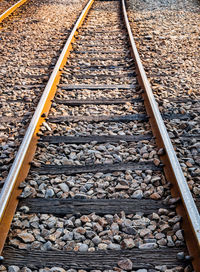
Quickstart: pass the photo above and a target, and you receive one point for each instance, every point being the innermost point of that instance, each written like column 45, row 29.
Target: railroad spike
column 174, row 200
column 161, row 152
column 189, row 258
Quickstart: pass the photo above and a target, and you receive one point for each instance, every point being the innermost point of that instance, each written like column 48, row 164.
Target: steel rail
column 187, row 209
column 10, row 10
column 21, row 164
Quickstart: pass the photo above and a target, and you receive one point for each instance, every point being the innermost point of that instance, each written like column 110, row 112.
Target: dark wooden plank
column 115, row 118
column 107, row 27
column 97, row 58
column 96, row 31
column 102, row 46
column 120, row 40
column 74, row 102
column 32, row 86
column 95, row 87
column 15, row 119
column 96, row 138
column 94, row 168
column 98, row 118
column 102, row 52
column 179, row 100
column 87, row 206
column 188, row 136
column 171, row 116
column 92, row 76
column 35, row 76
column 98, row 67
column 91, row 260
column 102, row 118
column 8, row 119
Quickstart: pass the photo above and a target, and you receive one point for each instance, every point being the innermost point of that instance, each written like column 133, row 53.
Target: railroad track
column 7, row 12
column 96, row 186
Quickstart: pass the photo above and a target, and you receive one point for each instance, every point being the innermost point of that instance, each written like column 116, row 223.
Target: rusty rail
column 11, row 10
column 21, row 164
column 187, row 208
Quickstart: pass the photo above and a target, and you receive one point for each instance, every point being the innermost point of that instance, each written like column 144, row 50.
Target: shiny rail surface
column 187, row 209
column 11, row 9
column 20, row 168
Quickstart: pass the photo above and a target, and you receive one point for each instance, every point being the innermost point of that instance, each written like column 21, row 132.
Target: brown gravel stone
column 30, row 44
column 26, row 237
column 125, row 264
